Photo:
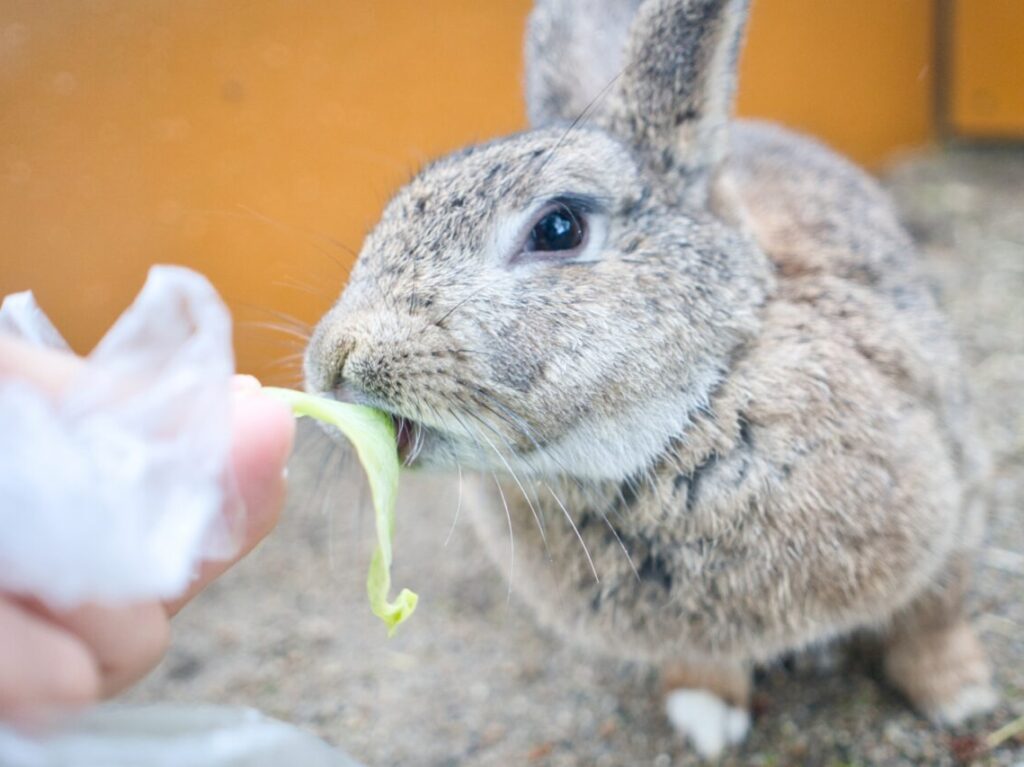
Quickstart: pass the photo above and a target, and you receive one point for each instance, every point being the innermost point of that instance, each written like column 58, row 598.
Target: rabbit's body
column 821, row 488
column 723, row 416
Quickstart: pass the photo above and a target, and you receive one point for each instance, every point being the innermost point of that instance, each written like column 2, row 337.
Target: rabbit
column 689, row 361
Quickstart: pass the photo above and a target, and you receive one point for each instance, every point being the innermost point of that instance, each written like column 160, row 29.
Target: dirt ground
column 471, row 680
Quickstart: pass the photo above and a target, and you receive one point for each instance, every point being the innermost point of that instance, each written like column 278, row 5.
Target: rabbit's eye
column 558, row 229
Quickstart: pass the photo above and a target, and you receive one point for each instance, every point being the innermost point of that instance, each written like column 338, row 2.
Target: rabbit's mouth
column 410, row 437
column 426, row 447
column 405, row 436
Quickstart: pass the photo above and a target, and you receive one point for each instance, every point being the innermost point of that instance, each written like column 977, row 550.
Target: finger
column 51, row 370
column 263, row 431
column 126, row 642
column 42, row 666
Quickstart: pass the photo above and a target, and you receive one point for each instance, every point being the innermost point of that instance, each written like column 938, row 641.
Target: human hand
column 51, row 660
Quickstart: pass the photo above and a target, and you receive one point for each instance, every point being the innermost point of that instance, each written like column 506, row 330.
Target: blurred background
column 257, row 140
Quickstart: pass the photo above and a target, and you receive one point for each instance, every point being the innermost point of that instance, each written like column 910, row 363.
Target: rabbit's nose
column 336, row 359
column 326, row 358
column 343, row 385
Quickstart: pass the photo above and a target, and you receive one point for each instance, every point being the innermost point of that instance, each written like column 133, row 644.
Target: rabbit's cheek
column 624, row 438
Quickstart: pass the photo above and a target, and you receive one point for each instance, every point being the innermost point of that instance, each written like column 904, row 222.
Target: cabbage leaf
column 372, row 433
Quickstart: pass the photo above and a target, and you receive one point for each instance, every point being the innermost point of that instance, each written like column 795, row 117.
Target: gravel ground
column 472, row 681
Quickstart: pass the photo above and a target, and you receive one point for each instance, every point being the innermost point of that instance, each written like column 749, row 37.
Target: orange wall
column 163, row 131
column 857, row 73
column 986, row 82
column 244, row 137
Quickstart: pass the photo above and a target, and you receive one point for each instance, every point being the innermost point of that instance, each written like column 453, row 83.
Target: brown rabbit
column 723, row 414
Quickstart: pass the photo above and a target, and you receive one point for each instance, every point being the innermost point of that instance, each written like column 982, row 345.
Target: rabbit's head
column 562, row 300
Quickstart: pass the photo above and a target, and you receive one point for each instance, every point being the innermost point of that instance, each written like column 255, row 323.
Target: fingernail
column 245, row 383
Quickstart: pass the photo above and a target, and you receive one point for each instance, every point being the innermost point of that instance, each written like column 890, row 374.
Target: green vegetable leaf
column 373, row 435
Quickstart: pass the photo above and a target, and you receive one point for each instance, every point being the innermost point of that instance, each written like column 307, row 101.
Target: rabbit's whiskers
column 508, row 466
column 534, row 506
column 587, row 111
column 576, row 530
column 511, row 537
column 465, row 300
column 279, row 328
column 458, row 507
column 473, row 434
column 311, row 235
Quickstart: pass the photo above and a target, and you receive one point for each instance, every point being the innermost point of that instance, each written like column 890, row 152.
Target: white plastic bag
column 167, row 735
column 115, row 491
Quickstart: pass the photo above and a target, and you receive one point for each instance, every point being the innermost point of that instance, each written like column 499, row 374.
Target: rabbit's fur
column 733, row 424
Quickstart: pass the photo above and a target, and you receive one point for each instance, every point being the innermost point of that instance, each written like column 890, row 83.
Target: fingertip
column 262, row 425
column 242, row 382
column 263, row 436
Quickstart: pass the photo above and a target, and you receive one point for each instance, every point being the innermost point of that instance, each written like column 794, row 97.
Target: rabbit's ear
column 674, row 97
column 575, row 49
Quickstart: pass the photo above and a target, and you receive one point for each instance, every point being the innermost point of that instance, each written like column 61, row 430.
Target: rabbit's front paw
column 706, row 720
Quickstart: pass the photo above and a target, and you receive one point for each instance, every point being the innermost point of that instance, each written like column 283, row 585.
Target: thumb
column 263, row 431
